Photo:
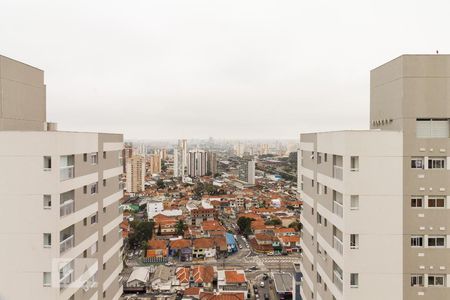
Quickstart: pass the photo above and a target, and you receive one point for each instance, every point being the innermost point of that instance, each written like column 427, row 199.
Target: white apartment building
column 376, row 211
column 180, row 159
column 59, row 232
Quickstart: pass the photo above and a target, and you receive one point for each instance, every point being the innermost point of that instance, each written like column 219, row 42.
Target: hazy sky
column 237, row 69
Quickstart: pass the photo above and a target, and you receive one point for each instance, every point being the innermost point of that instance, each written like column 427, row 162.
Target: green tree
column 199, row 189
column 274, row 221
column 245, row 225
column 159, row 230
column 180, row 227
column 160, row 184
column 296, row 225
column 141, row 231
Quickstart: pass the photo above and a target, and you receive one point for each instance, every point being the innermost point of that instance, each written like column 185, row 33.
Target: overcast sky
column 230, row 69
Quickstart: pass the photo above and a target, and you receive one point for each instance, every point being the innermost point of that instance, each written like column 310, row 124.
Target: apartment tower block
column 60, row 193
column 376, row 203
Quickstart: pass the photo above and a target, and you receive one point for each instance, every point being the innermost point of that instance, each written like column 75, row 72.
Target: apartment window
column 104, row 238
column 432, row 128
column 436, row 280
column 416, row 201
column 312, row 183
column 47, row 201
column 312, row 210
column 85, row 189
column 354, row 202
column 47, row 240
column 94, row 158
column 94, row 188
column 325, row 222
column 325, row 189
column 325, row 286
column 319, row 278
column 104, row 154
column 319, row 158
column 66, row 167
column 84, row 253
column 354, row 241
column 325, row 157
column 104, row 210
column 94, row 219
column 436, row 202
column 354, row 163
column 312, row 155
column 416, row 241
column 104, row 182
column 319, row 219
column 104, row 294
column 85, row 221
column 416, row 280
column 436, row 241
column 417, row 163
column 47, row 163
column 436, row 162
column 47, row 278
column 104, row 266
column 354, row 280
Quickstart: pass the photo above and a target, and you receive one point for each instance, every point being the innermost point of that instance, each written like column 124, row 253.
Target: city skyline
column 179, row 69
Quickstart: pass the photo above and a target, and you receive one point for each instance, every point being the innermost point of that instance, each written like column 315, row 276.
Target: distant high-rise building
column 136, row 174
column 247, row 171
column 180, row 159
column 239, row 149
column 376, row 203
column 212, row 163
column 197, row 163
column 63, row 188
column 154, row 163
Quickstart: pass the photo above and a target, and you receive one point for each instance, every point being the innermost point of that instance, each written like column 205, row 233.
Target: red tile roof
column 203, row 274
column 234, row 277
column 204, row 243
column 225, row 296
column 180, row 244
column 183, row 274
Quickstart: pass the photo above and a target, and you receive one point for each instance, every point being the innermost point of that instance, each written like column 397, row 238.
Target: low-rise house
column 290, row 243
column 232, row 281
column 192, row 293
column 200, row 214
column 203, row 276
column 221, row 296
column 183, row 275
column 157, row 248
column 164, row 225
column 138, row 280
column 161, row 279
column 181, row 248
column 203, row 248
column 279, row 232
column 231, row 243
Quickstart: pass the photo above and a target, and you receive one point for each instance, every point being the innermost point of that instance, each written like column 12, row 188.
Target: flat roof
column 283, row 282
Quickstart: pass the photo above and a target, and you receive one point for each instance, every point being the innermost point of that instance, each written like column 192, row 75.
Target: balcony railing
column 338, row 172
column 66, row 172
column 66, row 208
column 66, row 244
column 66, row 278
column 337, row 280
column 338, row 209
column 337, row 244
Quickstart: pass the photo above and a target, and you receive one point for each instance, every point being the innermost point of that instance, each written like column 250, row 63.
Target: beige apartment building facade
column 376, row 212
column 135, row 174
column 60, row 232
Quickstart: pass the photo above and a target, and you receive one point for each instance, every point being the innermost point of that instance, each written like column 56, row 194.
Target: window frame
column 416, row 241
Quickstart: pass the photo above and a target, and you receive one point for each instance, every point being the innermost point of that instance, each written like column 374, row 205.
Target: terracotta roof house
column 203, row 276
column 204, row 248
column 157, row 248
column 232, row 281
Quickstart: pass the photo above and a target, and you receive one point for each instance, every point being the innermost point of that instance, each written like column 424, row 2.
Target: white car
column 169, row 264
column 262, row 284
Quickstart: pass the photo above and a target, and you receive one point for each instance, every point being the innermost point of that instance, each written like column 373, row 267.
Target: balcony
column 337, row 280
column 66, row 172
column 337, row 244
column 66, row 208
column 66, row 276
column 338, row 209
column 338, row 172
column 66, row 244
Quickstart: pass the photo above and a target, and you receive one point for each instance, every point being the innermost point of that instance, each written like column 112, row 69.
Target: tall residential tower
column 376, row 203
column 59, row 229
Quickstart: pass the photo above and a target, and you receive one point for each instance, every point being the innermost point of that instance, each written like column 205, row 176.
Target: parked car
column 262, row 284
column 266, row 297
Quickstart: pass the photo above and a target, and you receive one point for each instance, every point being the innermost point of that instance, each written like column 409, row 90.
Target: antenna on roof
column 437, row 51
